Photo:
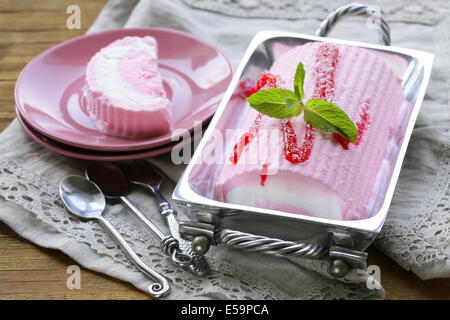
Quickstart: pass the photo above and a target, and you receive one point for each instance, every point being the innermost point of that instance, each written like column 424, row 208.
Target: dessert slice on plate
column 124, row 94
column 291, row 163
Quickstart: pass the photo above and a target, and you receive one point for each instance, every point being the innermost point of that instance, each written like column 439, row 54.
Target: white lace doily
column 424, row 239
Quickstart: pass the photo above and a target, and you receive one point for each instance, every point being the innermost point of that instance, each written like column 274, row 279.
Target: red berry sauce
column 265, row 81
column 361, row 125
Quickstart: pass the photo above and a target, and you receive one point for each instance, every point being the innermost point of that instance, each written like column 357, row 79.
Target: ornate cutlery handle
column 158, row 289
column 199, row 265
column 169, row 244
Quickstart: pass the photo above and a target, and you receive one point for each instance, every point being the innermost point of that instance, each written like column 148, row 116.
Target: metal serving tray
column 292, row 235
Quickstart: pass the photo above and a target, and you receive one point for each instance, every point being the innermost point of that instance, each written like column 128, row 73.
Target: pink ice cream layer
column 287, row 166
column 124, row 93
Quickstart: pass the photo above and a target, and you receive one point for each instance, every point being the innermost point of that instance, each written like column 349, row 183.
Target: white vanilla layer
column 110, row 81
column 283, row 194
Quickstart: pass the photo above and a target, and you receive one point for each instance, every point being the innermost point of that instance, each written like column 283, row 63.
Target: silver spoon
column 85, row 200
column 114, row 184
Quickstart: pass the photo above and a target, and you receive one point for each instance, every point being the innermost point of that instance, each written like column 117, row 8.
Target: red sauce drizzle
column 326, row 61
column 263, row 174
column 342, row 141
column 361, row 125
column 292, row 152
column 265, row 81
column 245, row 139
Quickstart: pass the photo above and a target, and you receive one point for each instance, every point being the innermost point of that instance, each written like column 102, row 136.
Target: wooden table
column 27, row 27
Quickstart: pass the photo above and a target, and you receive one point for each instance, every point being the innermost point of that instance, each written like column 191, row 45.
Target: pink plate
column 195, row 76
column 93, row 155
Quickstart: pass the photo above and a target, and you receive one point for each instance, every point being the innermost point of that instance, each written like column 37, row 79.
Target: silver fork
column 141, row 173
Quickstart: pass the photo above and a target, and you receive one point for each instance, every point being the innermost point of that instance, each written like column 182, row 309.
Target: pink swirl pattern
column 124, row 93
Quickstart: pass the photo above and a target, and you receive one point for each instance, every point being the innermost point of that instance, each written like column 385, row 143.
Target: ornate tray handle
column 342, row 261
column 357, row 9
column 271, row 246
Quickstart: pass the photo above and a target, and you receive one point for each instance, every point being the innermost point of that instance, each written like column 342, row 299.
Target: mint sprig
column 285, row 104
column 276, row 103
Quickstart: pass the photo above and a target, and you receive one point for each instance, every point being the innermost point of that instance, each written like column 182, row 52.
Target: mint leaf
column 276, row 103
column 298, row 81
column 281, row 103
column 328, row 117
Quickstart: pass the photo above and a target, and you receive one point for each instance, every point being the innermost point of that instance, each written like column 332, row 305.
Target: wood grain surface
column 27, row 27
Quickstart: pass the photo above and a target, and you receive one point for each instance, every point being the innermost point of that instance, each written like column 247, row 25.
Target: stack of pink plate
column 48, row 94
